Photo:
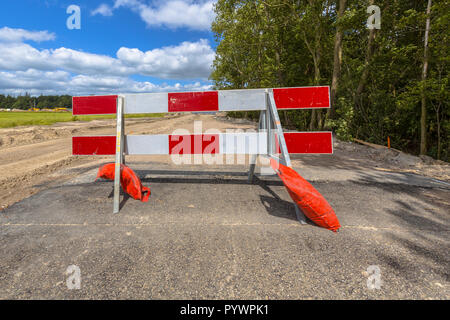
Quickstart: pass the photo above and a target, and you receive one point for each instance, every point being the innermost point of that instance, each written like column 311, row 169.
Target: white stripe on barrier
column 142, row 103
column 243, row 143
column 235, row 100
column 147, row 144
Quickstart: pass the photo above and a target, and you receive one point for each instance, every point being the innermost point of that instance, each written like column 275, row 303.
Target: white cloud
column 103, row 9
column 37, row 82
column 196, row 15
column 189, row 60
column 122, row 3
column 20, row 35
column 24, row 68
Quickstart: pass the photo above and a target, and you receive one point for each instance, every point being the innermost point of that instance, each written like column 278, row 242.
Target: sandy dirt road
column 32, row 158
column 208, row 233
column 36, row 157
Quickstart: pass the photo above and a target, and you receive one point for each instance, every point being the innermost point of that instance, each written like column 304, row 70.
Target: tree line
column 387, row 82
column 26, row 102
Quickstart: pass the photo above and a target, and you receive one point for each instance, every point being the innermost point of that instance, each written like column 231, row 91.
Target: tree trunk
column 286, row 118
column 423, row 117
column 365, row 73
column 337, row 60
column 312, row 123
column 278, row 65
column 316, row 59
column 438, row 121
column 320, row 120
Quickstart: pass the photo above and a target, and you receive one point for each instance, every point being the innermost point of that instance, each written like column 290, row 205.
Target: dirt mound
column 29, row 155
column 18, row 136
column 396, row 160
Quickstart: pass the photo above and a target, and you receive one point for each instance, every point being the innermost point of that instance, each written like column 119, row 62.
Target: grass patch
column 14, row 119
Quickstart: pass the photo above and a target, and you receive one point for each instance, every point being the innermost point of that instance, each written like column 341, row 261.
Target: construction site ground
column 207, row 233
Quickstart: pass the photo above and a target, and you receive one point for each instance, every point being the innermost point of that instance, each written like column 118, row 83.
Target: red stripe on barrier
column 194, row 144
column 298, row 98
column 100, row 145
column 193, row 101
column 309, row 142
column 94, row 105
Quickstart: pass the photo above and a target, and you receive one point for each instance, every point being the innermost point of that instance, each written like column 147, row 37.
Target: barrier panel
column 270, row 141
column 224, row 143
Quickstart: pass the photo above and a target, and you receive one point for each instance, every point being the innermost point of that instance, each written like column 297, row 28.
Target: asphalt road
column 214, row 236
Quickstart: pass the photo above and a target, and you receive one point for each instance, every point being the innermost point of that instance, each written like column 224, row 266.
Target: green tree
column 376, row 75
column 23, row 102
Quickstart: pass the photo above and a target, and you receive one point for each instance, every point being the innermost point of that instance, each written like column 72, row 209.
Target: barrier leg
column 286, row 159
column 119, row 153
column 300, row 215
column 283, row 148
column 268, row 125
column 261, row 125
column 124, row 139
column 251, row 171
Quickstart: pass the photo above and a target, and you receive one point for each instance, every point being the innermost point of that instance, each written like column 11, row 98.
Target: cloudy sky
column 121, row 46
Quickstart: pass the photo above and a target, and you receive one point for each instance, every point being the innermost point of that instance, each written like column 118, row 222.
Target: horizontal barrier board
column 193, row 101
column 205, row 101
column 309, row 142
column 100, row 145
column 94, row 105
column 224, row 143
column 306, row 97
column 242, row 100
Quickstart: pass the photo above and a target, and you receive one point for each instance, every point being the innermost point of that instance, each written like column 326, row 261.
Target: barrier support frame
column 263, row 100
column 120, row 156
column 267, row 119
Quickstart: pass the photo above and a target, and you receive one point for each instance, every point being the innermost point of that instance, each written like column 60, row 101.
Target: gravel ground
column 210, row 234
column 213, row 235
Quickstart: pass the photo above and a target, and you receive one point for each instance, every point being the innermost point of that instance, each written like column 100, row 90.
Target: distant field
column 14, row 119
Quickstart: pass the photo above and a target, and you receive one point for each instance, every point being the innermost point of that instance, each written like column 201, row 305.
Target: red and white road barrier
column 270, row 140
column 222, row 100
column 206, row 101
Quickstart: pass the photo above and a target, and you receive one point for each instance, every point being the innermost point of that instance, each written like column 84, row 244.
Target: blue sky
column 122, row 46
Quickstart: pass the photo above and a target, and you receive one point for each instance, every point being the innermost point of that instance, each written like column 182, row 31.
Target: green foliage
column 282, row 43
column 41, row 102
column 342, row 122
column 22, row 118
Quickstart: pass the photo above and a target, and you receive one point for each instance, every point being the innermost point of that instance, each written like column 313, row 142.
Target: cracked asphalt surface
column 212, row 235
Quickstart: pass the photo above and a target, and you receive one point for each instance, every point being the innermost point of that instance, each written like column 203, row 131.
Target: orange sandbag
column 129, row 181
column 309, row 200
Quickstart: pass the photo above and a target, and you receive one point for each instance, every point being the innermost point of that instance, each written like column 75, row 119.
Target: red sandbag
column 107, row 171
column 309, row 200
column 129, row 181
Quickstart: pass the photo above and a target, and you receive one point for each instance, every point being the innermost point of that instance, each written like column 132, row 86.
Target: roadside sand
column 37, row 157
